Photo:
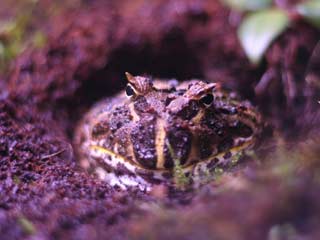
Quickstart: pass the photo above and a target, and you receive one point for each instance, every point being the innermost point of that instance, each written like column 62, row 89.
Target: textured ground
column 43, row 193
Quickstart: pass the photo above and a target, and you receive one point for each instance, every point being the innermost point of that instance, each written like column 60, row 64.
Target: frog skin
column 141, row 136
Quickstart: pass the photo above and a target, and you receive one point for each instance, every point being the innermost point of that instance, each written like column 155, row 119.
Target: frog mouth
column 196, row 171
column 113, row 159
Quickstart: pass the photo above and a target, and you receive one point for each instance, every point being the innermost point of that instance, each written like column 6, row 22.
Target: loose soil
column 45, row 195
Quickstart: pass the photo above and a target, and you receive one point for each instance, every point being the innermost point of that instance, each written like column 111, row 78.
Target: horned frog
column 140, row 136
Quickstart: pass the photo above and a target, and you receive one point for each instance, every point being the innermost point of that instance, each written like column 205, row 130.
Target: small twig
column 53, row 154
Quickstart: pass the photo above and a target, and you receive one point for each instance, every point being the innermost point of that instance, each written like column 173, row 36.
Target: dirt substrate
column 45, row 195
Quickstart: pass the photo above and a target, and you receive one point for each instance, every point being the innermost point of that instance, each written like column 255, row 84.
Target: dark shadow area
column 172, row 58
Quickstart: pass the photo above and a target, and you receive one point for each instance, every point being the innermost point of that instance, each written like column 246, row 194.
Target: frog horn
column 129, row 76
column 141, row 84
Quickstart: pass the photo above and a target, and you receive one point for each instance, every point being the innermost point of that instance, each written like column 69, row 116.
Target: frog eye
column 207, row 99
column 130, row 91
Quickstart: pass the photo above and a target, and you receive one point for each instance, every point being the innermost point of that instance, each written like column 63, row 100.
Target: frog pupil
column 129, row 91
column 207, row 99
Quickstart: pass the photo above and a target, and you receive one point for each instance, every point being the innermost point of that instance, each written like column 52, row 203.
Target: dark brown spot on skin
column 180, row 143
column 206, row 146
column 122, row 170
column 254, row 119
column 167, row 175
column 130, row 159
column 228, row 110
column 144, row 149
column 119, row 117
column 189, row 110
column 141, row 105
column 212, row 164
column 227, row 155
column 193, row 161
column 168, row 100
column 168, row 163
column 100, row 129
column 212, row 121
column 123, row 141
column 242, row 108
column 241, row 142
column 148, row 176
column 191, row 181
column 100, row 162
column 242, row 130
column 225, row 144
column 109, row 143
column 180, row 92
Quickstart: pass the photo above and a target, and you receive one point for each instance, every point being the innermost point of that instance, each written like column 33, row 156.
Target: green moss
column 180, row 179
column 235, row 158
column 26, row 225
column 16, row 179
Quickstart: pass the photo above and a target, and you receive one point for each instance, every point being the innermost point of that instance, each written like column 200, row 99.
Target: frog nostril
column 189, row 111
column 168, row 101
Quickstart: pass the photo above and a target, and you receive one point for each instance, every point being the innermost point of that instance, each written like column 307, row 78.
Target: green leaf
column 259, row 29
column 310, row 10
column 247, row 5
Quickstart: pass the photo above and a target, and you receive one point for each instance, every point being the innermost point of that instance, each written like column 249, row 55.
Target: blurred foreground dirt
column 273, row 194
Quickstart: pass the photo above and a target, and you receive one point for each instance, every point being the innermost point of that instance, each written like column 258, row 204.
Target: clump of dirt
column 45, row 194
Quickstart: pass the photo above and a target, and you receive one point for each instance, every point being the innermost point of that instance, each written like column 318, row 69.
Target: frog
column 154, row 128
